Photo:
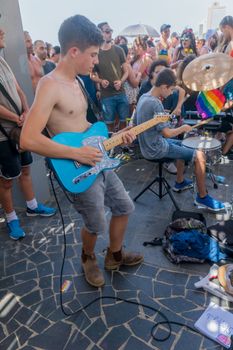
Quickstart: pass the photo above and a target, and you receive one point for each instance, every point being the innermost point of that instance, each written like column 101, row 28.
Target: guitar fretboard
column 118, row 140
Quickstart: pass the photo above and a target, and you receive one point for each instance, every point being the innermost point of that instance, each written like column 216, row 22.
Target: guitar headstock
column 162, row 118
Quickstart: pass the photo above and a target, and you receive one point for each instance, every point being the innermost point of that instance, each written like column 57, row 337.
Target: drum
column 209, row 145
column 193, row 133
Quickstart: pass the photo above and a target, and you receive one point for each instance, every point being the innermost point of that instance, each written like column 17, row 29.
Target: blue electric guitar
column 75, row 177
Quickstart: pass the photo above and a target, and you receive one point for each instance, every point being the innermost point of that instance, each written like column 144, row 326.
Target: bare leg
column 180, row 170
column 115, row 256
column 117, row 230
column 89, row 241
column 92, row 272
column 228, row 144
column 6, row 195
column 25, row 183
column 200, row 170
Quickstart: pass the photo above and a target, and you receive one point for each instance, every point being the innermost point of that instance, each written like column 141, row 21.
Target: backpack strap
column 154, row 242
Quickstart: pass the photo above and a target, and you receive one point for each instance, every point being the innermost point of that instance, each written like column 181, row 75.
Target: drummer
column 157, row 142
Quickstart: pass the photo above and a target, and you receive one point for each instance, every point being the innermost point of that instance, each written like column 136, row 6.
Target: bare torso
column 69, row 113
column 36, row 71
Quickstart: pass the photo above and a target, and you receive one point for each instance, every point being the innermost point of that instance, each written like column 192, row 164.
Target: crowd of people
column 91, row 76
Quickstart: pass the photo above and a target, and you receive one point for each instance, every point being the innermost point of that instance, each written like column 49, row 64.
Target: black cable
column 68, row 314
column 59, row 186
column 64, row 238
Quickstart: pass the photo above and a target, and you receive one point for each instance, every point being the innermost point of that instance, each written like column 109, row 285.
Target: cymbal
column 208, row 72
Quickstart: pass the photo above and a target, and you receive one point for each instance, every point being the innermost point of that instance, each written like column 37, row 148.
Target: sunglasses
column 108, row 31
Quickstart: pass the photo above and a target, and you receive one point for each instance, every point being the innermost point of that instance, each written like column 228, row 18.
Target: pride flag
column 210, row 103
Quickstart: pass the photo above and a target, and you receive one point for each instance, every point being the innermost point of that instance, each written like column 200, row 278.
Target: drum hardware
column 195, row 115
column 209, row 145
column 192, row 117
column 212, row 149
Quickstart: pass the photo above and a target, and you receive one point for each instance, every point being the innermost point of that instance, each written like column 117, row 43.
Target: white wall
column 16, row 57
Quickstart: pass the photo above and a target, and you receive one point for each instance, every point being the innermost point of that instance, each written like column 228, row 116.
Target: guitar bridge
column 83, row 176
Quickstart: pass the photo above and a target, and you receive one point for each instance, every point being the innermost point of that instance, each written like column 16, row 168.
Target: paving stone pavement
column 30, row 313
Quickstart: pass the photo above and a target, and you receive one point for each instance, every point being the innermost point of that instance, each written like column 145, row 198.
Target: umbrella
column 139, row 29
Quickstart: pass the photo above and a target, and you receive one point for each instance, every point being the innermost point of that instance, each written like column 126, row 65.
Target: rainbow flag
column 210, row 103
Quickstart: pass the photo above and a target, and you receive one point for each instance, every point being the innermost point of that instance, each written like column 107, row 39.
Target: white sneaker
column 170, row 167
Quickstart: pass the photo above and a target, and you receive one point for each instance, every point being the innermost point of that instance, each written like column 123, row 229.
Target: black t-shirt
column 144, row 88
column 110, row 68
column 190, row 103
column 48, row 67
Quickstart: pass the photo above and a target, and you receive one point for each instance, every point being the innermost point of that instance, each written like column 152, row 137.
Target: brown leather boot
column 114, row 260
column 93, row 274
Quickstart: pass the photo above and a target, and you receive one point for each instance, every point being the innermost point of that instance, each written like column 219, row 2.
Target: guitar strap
column 94, row 108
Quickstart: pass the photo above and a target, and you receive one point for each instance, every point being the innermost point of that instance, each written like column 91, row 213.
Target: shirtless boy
column 60, row 106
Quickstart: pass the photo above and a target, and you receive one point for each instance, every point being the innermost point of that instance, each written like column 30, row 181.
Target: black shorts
column 11, row 162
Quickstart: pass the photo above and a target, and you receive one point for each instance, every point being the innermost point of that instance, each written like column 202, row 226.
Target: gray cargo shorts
column 106, row 191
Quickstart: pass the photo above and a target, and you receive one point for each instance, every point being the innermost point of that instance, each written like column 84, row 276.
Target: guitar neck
column 118, row 140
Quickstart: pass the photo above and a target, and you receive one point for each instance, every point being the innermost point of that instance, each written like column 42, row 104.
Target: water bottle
column 220, row 179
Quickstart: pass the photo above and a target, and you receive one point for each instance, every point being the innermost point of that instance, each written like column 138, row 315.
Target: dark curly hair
column 154, row 64
column 188, row 34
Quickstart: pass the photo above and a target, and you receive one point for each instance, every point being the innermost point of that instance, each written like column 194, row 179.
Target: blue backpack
column 186, row 239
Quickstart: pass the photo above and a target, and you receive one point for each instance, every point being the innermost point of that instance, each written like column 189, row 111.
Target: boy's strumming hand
column 88, row 155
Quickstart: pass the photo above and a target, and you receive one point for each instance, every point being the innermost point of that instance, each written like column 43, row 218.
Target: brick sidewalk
column 30, row 314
